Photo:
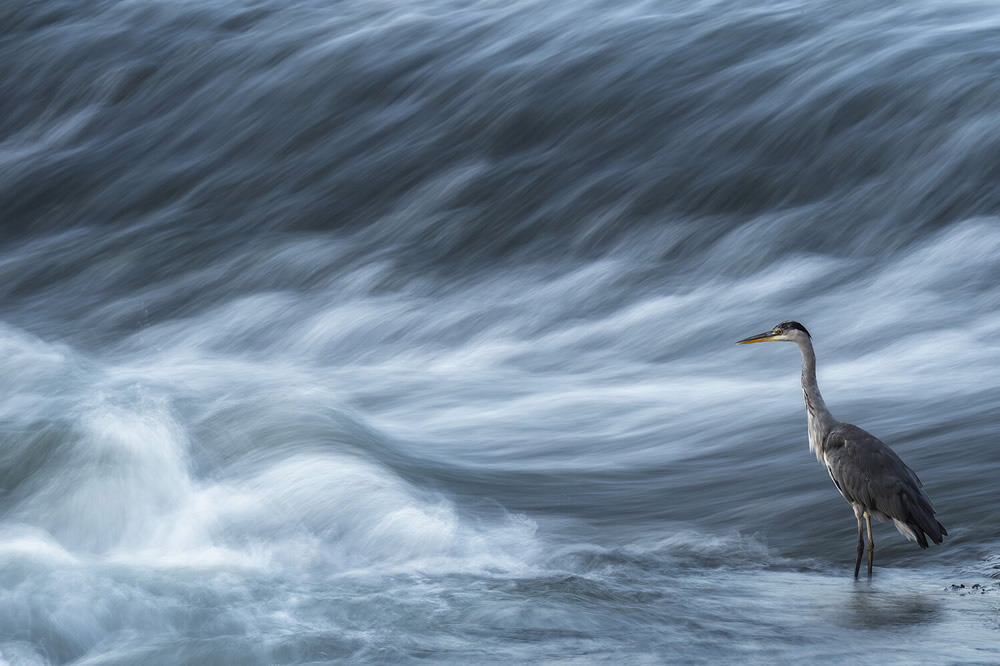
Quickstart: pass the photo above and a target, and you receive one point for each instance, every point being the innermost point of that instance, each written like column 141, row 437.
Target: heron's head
column 786, row 331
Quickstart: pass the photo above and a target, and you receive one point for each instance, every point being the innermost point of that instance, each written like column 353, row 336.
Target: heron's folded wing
column 869, row 473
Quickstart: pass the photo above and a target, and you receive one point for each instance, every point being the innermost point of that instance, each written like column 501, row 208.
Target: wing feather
column 870, row 474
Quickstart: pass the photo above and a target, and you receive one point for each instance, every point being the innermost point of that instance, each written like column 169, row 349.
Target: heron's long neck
column 820, row 418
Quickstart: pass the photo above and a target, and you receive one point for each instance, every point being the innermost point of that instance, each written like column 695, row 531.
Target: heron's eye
column 777, row 331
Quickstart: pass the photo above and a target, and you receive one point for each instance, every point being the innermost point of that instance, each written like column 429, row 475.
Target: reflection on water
column 879, row 608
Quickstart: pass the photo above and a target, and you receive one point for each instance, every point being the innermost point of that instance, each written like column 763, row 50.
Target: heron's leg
column 871, row 543
column 861, row 546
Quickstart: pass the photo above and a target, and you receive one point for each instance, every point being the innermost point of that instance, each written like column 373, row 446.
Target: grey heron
column 869, row 474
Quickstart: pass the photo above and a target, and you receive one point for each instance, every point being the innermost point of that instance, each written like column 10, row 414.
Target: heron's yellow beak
column 760, row 337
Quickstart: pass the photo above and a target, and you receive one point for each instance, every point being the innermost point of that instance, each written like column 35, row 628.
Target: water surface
column 386, row 332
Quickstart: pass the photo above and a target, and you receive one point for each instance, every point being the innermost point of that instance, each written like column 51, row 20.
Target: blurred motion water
column 391, row 331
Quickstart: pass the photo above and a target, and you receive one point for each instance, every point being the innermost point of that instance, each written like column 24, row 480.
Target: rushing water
column 389, row 331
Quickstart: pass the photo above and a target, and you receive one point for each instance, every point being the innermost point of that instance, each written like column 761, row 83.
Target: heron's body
column 869, row 474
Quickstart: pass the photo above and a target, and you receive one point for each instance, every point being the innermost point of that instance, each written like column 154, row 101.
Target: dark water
column 385, row 332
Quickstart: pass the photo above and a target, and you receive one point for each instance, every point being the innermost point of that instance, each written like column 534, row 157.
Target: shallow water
column 392, row 332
